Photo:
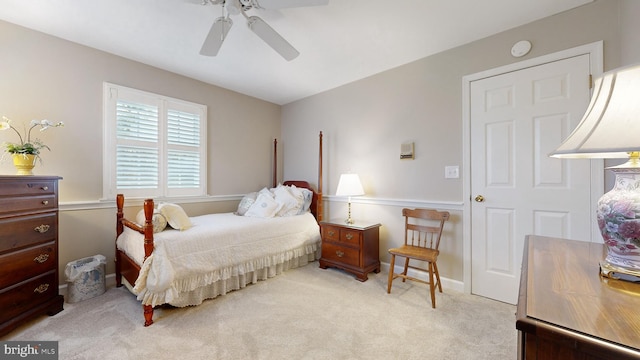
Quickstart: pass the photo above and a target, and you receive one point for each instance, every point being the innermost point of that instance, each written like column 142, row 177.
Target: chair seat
column 416, row 252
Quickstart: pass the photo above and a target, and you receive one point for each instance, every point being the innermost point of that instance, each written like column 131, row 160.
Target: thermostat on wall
column 521, row 48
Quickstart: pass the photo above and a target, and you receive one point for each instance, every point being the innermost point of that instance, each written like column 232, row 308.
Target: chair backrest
column 423, row 227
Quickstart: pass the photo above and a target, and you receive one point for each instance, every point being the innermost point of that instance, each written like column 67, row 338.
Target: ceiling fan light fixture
column 272, row 38
column 232, row 7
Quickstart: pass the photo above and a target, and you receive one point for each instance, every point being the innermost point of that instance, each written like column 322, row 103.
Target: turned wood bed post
column 320, row 205
column 275, row 162
column 148, row 249
column 119, row 230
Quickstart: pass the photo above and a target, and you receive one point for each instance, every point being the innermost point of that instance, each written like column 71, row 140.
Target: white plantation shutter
column 154, row 145
column 183, row 138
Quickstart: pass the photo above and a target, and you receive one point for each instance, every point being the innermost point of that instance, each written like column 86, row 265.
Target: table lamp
column 349, row 185
column 610, row 128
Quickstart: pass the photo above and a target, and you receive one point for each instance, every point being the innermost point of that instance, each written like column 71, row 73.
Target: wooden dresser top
column 562, row 287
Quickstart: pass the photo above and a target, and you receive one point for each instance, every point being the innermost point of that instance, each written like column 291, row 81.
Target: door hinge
column 590, row 81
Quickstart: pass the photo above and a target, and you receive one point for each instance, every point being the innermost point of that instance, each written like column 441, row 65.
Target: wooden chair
column 423, row 230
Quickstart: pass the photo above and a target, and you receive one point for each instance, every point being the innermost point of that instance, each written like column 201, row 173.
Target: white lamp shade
column 610, row 127
column 349, row 185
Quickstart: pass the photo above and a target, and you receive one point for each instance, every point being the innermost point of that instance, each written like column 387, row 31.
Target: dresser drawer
column 31, row 203
column 19, row 299
column 32, row 187
column 22, row 265
column 23, row 231
column 342, row 254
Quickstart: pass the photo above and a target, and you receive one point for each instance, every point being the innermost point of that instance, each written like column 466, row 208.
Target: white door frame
column 595, row 50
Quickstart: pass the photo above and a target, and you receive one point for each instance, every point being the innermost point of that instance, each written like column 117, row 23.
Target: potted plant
column 26, row 151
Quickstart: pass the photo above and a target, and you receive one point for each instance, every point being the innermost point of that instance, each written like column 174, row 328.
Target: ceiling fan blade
column 272, row 38
column 282, row 4
column 216, row 36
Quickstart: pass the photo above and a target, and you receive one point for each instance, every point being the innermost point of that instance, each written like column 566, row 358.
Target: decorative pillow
column 246, row 203
column 265, row 206
column 290, row 199
column 158, row 220
column 175, row 215
column 308, row 198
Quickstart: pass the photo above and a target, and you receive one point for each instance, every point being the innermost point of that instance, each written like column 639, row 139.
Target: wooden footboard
column 125, row 266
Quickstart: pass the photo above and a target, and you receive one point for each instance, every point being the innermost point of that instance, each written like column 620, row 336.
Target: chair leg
column 406, row 267
column 391, row 265
column 432, row 289
column 435, row 267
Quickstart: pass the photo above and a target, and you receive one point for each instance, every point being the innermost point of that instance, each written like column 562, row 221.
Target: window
column 154, row 146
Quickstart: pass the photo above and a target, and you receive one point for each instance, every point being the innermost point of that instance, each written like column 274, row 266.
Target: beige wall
column 47, row 77
column 365, row 122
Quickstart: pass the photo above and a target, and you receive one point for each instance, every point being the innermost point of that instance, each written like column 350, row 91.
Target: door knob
column 479, row 198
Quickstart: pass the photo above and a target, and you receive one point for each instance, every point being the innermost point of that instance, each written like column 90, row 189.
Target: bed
column 202, row 257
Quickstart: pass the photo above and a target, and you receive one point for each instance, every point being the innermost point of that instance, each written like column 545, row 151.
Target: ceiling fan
column 222, row 25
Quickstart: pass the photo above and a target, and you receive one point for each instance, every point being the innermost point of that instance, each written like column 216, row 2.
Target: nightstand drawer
column 351, row 237
column 23, row 231
column 22, row 265
column 331, row 233
column 342, row 254
column 341, row 235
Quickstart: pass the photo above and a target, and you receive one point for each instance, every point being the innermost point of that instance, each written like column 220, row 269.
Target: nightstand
column 351, row 247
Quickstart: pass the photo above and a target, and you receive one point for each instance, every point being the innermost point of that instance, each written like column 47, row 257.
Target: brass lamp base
column 349, row 219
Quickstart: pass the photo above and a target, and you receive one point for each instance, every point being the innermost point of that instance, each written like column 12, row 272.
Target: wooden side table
column 351, row 247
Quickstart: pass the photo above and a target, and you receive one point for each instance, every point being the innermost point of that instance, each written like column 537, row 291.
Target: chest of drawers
column 28, row 249
column 353, row 248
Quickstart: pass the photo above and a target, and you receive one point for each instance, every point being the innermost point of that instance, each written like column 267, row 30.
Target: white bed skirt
column 237, row 282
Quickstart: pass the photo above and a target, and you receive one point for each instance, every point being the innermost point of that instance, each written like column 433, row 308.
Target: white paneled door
column 517, row 119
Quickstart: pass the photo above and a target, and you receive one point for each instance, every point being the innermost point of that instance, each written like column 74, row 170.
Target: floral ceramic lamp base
column 619, row 222
column 24, row 163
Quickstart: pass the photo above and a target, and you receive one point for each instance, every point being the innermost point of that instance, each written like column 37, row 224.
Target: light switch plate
column 451, row 172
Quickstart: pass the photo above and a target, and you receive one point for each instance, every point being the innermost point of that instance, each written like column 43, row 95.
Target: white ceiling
column 339, row 43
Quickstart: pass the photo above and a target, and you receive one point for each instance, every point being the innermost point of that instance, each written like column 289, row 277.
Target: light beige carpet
column 304, row 313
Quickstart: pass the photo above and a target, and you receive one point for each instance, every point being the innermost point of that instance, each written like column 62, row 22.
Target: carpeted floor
column 304, row 313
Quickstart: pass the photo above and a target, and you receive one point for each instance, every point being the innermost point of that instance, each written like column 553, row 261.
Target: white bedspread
column 217, row 248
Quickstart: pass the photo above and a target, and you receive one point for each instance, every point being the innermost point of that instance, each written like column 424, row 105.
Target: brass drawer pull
column 45, row 188
column 349, row 236
column 41, row 288
column 41, row 258
column 339, row 253
column 331, row 232
column 42, row 228
column 45, row 202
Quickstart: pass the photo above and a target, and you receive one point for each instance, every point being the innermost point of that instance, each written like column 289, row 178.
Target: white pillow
column 290, row 199
column 175, row 215
column 246, row 203
column 265, row 206
column 158, row 220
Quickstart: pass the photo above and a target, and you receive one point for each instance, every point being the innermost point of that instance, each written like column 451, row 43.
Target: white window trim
column 110, row 97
